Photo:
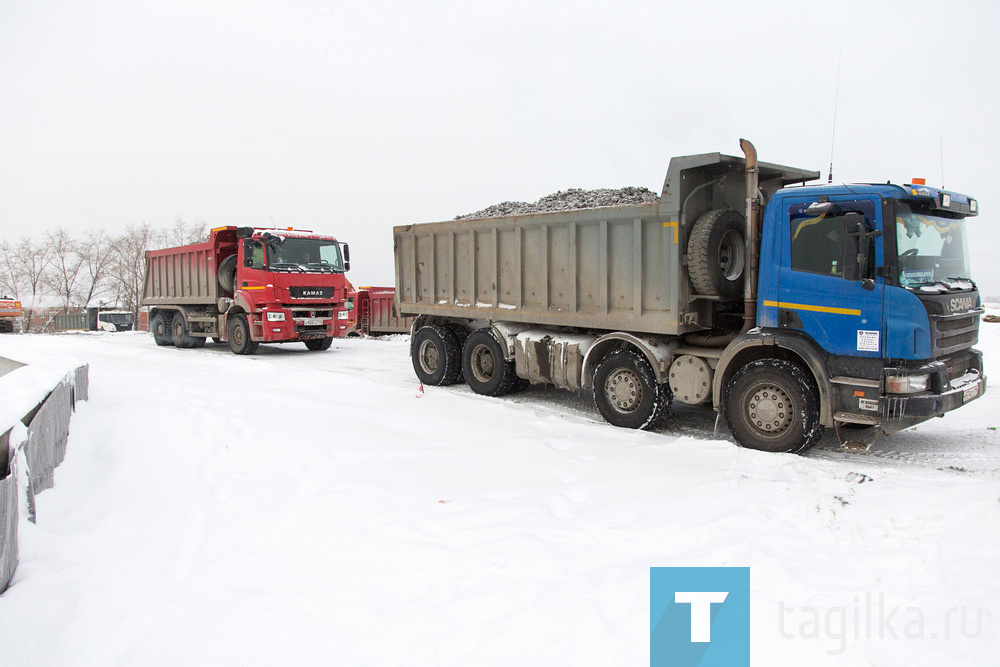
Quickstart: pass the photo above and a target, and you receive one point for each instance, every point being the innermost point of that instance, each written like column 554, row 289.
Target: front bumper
column 299, row 324
column 952, row 382
column 900, row 411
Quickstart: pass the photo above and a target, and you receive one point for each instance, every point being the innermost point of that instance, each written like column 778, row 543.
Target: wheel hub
column 483, row 363
column 623, row 390
column 770, row 409
column 429, row 358
column 731, row 255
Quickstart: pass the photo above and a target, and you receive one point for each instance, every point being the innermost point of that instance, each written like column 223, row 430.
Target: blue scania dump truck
column 790, row 308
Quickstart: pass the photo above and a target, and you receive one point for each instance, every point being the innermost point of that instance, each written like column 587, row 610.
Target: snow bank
column 35, row 405
column 310, row 508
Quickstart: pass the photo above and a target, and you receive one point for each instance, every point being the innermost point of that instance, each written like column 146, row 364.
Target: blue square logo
column 699, row 616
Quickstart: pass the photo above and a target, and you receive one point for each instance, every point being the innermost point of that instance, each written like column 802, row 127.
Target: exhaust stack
column 752, row 237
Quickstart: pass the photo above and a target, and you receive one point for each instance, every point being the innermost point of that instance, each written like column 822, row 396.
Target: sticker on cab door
column 867, row 341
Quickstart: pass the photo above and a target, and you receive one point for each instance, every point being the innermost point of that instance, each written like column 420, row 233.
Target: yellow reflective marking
column 219, row 229
column 256, row 287
column 674, row 225
column 817, row 309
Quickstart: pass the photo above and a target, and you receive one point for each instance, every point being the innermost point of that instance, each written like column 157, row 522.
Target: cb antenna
column 941, row 144
column 833, row 138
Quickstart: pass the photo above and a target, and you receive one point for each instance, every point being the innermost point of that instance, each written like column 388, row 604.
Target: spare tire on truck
column 716, row 253
column 227, row 273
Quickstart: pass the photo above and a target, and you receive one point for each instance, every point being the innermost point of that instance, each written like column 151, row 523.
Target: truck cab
column 875, row 281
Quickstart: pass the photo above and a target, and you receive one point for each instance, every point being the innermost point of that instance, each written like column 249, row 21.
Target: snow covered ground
column 312, row 508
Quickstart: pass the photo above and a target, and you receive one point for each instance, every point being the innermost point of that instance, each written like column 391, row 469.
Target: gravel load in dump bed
column 567, row 199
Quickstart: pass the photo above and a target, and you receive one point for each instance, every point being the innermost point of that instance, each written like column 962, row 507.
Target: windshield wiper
column 292, row 265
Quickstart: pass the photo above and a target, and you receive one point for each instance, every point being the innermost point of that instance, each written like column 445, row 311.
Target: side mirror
column 855, row 248
column 247, row 252
column 347, row 256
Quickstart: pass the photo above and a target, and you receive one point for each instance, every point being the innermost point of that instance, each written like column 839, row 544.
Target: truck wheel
column 626, row 391
column 772, row 405
column 486, row 370
column 436, row 356
column 179, row 331
column 227, row 273
column 717, row 253
column 238, row 332
column 318, row 344
column 160, row 326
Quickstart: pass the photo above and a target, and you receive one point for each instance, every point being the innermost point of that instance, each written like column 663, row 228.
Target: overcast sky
column 350, row 117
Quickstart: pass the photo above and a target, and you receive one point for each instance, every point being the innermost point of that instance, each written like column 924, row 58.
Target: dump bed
column 187, row 275
column 375, row 312
column 615, row 268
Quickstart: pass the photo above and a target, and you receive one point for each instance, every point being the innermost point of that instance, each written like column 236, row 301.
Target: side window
column 818, row 243
column 254, row 254
column 822, row 243
column 330, row 254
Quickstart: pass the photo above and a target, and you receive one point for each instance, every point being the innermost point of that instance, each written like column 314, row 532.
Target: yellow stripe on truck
column 817, row 309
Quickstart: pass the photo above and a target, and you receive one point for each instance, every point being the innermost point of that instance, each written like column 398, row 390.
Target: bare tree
column 128, row 264
column 181, row 233
column 96, row 251
column 31, row 260
column 10, row 273
column 66, row 263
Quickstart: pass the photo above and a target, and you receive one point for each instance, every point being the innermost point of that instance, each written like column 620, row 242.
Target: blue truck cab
column 869, row 286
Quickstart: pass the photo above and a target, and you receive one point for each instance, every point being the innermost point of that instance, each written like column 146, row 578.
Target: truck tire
column 772, row 405
column 319, row 344
column 180, row 333
column 626, row 391
column 486, row 370
column 227, row 273
column 716, row 254
column 159, row 325
column 436, row 355
column 238, row 333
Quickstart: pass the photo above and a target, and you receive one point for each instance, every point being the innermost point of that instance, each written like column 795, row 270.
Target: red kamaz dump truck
column 249, row 286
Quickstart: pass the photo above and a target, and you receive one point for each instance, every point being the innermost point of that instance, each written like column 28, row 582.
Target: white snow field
column 312, row 508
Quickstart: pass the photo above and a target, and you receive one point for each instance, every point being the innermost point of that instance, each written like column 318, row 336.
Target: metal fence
column 39, row 446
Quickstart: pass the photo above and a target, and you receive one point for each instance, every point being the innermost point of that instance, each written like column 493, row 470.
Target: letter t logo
column 701, row 612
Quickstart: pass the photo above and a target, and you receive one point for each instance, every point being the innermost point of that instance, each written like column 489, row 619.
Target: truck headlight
column 275, row 317
column 342, row 315
column 906, row 384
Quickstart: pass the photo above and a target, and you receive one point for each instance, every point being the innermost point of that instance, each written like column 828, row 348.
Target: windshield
column 301, row 254
column 931, row 249
column 115, row 318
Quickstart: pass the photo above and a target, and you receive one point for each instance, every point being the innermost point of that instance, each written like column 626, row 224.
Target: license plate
column 312, row 322
column 972, row 392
